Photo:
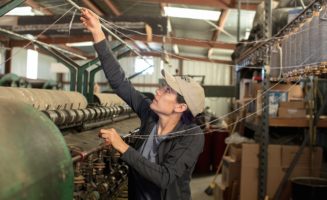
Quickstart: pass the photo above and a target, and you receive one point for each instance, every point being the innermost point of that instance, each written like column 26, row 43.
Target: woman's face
column 164, row 101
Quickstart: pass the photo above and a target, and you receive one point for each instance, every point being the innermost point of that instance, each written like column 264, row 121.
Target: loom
column 52, row 148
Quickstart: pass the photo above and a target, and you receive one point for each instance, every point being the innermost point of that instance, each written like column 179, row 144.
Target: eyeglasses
column 166, row 89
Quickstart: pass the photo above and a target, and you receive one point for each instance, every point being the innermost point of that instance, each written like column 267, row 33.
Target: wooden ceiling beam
column 155, row 39
column 220, row 23
column 188, row 42
column 113, row 7
column 209, row 3
column 93, row 7
column 38, row 7
column 244, row 5
column 248, row 6
column 16, row 43
column 155, row 54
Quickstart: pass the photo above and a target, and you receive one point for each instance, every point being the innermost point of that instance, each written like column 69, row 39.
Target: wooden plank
column 113, row 7
column 252, row 122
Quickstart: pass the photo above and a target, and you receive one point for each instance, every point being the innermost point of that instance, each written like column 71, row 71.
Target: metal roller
column 35, row 161
column 107, row 112
column 103, row 112
column 116, row 110
column 98, row 113
column 91, row 114
column 72, row 116
column 53, row 115
column 87, row 114
column 112, row 111
column 80, row 116
column 45, row 99
column 106, row 99
column 63, row 117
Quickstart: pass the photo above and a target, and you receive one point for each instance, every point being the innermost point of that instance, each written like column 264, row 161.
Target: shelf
column 295, row 122
column 252, row 122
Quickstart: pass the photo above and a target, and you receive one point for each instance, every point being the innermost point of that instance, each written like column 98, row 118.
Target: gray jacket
column 177, row 156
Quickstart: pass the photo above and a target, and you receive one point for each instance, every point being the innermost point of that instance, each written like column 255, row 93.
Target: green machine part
column 35, row 161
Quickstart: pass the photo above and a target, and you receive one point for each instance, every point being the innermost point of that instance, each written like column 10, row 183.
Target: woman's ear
column 180, row 107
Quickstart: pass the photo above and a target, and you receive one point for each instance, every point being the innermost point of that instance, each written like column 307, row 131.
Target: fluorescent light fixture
column 22, row 11
column 32, row 64
column 80, row 44
column 192, row 13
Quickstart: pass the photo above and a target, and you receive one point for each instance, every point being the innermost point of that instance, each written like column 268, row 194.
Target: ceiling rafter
column 20, row 43
column 220, row 23
column 142, row 45
column 155, row 54
column 38, row 7
column 155, row 39
column 211, row 3
column 208, row 3
column 244, row 5
column 113, row 7
column 75, row 50
column 188, row 42
column 93, row 7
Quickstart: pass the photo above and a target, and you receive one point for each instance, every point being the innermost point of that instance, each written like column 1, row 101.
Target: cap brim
column 171, row 81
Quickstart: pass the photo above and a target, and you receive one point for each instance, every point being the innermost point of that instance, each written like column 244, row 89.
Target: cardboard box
column 222, row 192
column 291, row 112
column 294, row 91
column 235, row 152
column 275, row 97
column 292, row 104
column 279, row 159
column 231, row 170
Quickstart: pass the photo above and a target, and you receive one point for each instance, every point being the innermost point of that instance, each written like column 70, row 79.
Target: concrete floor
column 198, row 185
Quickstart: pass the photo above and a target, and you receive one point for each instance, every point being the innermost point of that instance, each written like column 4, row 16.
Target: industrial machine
column 50, row 147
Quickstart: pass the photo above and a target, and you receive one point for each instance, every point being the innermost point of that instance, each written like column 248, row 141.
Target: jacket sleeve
column 182, row 156
column 118, row 81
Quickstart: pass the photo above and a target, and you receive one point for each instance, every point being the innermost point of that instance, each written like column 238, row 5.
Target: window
column 22, row 11
column 32, row 63
column 143, row 63
column 192, row 13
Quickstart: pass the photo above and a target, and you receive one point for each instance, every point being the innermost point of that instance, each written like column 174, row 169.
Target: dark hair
column 187, row 116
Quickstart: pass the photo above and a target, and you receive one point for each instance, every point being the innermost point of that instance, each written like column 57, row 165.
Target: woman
column 161, row 165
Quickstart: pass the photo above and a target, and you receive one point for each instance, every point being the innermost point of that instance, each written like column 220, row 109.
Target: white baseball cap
column 191, row 91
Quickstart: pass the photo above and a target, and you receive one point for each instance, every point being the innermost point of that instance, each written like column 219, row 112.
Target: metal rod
column 9, row 6
column 84, row 154
column 106, row 29
column 41, row 43
column 80, row 73
column 91, row 83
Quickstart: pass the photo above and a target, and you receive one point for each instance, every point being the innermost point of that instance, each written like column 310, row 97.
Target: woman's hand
column 113, row 138
column 91, row 21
